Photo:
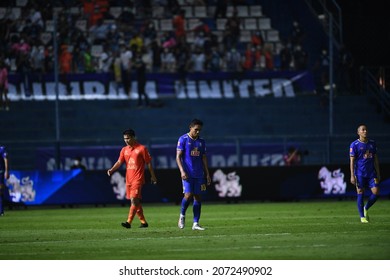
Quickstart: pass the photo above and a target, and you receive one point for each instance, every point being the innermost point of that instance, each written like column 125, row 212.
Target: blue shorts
column 194, row 185
column 362, row 182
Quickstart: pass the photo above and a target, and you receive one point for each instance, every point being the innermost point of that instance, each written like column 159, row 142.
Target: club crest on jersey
column 367, row 154
column 195, row 152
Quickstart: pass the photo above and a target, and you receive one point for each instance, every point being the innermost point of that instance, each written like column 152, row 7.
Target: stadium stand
column 31, row 124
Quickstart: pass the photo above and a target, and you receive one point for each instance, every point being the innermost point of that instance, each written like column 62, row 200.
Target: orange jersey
column 135, row 158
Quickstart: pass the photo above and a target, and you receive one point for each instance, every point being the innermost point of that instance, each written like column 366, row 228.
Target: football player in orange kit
column 136, row 156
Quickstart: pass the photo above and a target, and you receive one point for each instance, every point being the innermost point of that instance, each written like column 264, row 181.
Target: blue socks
column 196, row 208
column 184, row 205
column 371, row 200
column 360, row 204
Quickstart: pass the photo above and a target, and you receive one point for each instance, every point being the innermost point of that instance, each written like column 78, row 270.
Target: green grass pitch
column 316, row 230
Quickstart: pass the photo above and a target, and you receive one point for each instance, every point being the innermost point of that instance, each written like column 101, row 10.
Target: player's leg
column 199, row 186
column 185, row 202
column 138, row 206
column 2, row 193
column 374, row 186
column 131, row 193
column 360, row 199
column 1, row 200
column 197, row 208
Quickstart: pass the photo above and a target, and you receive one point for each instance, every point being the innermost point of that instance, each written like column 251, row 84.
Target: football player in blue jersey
column 192, row 162
column 364, row 165
column 4, row 174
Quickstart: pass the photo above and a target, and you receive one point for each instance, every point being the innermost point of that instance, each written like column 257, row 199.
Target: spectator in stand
column 168, row 40
column 23, row 67
column 136, row 43
column 321, row 67
column 113, row 38
column 249, row 58
column 232, row 31
column 156, row 56
column 168, row 60
column 105, row 60
column 95, row 12
column 199, row 40
column 220, row 9
column 21, row 48
column 66, row 66
column 149, row 32
column 293, row 157
column 127, row 15
column 66, row 60
column 147, row 57
column 88, row 62
column 285, row 57
column 345, row 70
column 297, row 34
column 38, row 61
column 183, row 58
column 36, row 20
column 4, row 101
column 38, row 57
column 77, row 164
column 118, row 71
column 140, row 68
column 49, row 59
column 198, row 59
column 30, row 31
column 269, row 57
column 179, row 24
column 172, row 7
column 257, row 39
column 300, row 58
column 215, row 60
column 144, row 8
column 233, row 61
column 260, row 58
column 99, row 32
column 126, row 56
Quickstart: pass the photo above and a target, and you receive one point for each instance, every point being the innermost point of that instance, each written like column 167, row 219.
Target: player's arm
column 6, row 171
column 152, row 174
column 206, row 169
column 289, row 158
column 179, row 154
column 352, row 168
column 114, row 168
column 376, row 165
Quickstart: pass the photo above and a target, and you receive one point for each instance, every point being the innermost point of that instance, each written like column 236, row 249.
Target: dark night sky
column 367, row 31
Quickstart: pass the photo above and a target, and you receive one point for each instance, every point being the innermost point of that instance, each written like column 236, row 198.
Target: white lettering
column 194, row 89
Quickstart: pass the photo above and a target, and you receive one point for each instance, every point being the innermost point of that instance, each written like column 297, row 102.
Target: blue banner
column 164, row 155
column 228, row 184
column 159, row 85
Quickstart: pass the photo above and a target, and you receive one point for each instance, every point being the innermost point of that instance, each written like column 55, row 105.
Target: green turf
column 269, row 231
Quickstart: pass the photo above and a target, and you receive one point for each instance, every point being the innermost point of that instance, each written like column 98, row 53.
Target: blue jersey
column 364, row 154
column 193, row 151
column 3, row 155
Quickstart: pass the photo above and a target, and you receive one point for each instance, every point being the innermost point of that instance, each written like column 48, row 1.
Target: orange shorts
column 134, row 190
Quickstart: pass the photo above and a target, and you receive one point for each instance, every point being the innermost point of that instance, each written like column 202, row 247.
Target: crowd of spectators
column 102, row 35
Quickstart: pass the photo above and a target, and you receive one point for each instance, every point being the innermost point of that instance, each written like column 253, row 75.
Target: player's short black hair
column 129, row 132
column 362, row 124
column 196, row 122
